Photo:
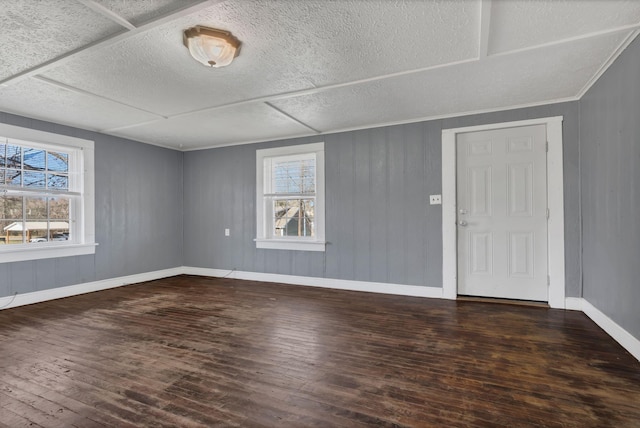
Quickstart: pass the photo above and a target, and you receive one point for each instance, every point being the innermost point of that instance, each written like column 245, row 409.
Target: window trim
column 85, row 153
column 263, row 240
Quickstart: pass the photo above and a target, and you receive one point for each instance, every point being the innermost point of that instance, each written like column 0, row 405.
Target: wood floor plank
column 16, row 404
column 12, row 420
column 194, row 352
column 75, row 406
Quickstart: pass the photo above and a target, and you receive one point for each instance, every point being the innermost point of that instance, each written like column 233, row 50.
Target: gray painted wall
column 380, row 226
column 610, row 172
column 138, row 191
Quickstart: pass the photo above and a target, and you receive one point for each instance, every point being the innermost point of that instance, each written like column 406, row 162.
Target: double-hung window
column 290, row 197
column 46, row 195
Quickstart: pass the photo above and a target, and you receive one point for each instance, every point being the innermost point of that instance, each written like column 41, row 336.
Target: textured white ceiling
column 249, row 122
column 478, row 86
column 37, row 99
column 521, row 24
column 301, row 45
column 140, row 11
column 35, row 31
column 305, row 67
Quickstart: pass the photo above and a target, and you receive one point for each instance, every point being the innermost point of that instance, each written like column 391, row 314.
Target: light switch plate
column 227, row 232
column 435, row 199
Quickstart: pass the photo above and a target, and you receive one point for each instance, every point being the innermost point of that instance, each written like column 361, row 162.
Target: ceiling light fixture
column 211, row 47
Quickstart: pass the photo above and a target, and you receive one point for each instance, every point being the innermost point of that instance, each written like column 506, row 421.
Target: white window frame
column 265, row 238
column 82, row 225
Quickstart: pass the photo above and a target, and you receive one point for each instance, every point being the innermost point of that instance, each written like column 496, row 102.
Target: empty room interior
column 319, row 213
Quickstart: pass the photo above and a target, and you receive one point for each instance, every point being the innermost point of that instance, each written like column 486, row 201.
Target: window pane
column 36, row 209
column 14, row 177
column 3, row 233
column 34, row 159
column 294, row 176
column 58, row 162
column 10, row 207
column 14, row 157
column 3, row 155
column 34, row 179
column 11, row 232
column 37, row 231
column 59, row 219
column 59, row 230
column 57, row 182
column 59, row 209
column 11, row 219
column 293, row 217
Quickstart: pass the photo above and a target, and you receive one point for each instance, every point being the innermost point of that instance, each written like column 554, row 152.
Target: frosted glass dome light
column 211, row 47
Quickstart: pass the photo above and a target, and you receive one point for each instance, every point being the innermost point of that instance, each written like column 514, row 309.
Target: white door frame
column 555, row 203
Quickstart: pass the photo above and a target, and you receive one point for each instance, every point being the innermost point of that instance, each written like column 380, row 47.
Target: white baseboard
column 87, row 287
column 622, row 336
column 619, row 334
column 573, row 303
column 340, row 284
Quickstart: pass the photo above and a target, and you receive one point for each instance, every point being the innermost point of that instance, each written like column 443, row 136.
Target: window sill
column 22, row 253
column 289, row 244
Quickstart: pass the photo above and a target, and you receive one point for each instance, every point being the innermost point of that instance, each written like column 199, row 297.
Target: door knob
column 462, row 223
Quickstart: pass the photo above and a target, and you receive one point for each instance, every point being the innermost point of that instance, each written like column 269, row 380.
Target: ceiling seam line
column 319, row 89
column 632, row 27
column 24, row 74
column 245, row 142
column 485, row 24
column 605, row 65
column 282, row 112
column 151, row 143
column 107, row 13
column 49, row 120
column 76, row 90
column 118, row 128
column 109, row 40
column 453, row 115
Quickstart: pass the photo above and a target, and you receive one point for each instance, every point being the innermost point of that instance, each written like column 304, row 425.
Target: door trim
column 555, row 203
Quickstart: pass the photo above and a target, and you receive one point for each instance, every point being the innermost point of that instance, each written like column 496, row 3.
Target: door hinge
column 548, row 213
column 548, row 280
column 546, row 146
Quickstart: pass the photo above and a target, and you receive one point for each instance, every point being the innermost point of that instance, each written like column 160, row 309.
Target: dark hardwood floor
column 191, row 351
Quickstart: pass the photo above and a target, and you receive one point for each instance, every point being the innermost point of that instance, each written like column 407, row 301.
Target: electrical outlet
column 435, row 199
column 227, row 232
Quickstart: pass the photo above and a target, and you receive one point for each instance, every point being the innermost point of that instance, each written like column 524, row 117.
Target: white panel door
column 502, row 213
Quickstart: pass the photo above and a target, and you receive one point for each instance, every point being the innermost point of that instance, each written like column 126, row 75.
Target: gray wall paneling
column 610, row 173
column 139, row 209
column 380, row 226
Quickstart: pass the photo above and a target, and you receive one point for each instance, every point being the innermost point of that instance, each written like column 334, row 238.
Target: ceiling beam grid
column 109, row 14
